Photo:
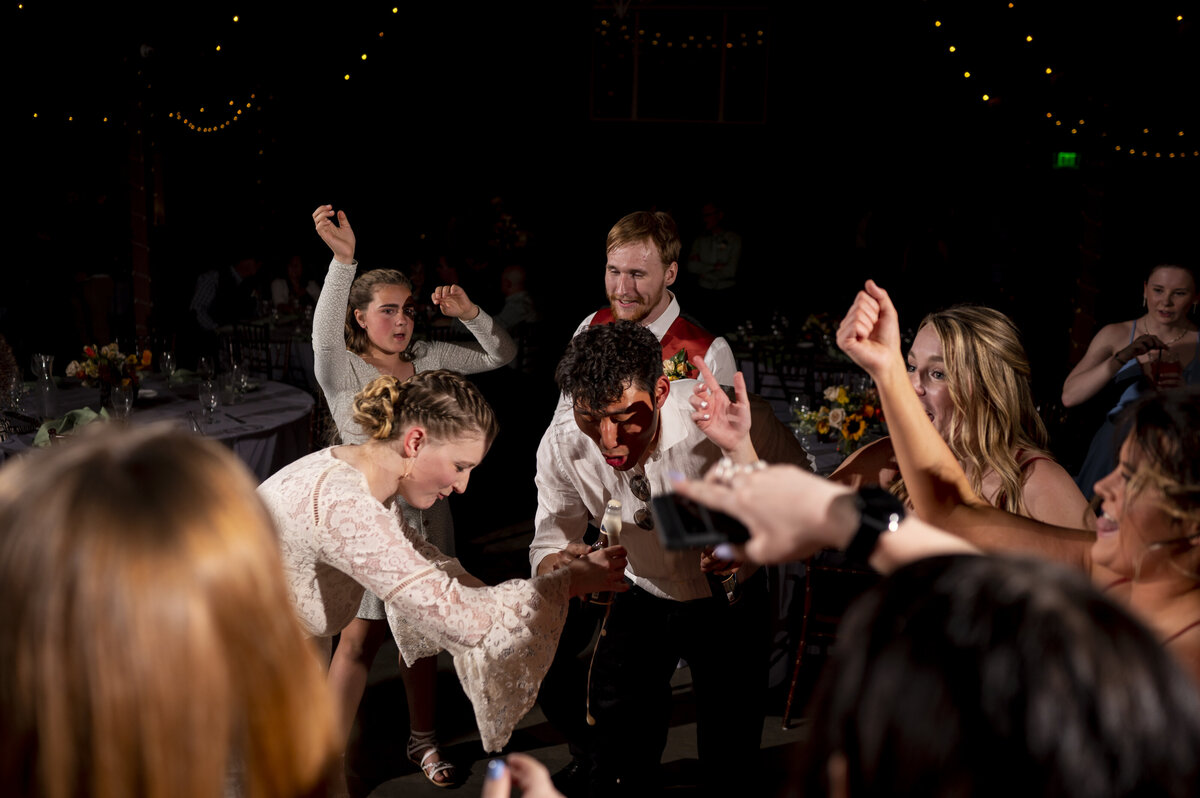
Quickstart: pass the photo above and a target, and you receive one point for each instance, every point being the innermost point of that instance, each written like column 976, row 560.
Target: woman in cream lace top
column 341, row 531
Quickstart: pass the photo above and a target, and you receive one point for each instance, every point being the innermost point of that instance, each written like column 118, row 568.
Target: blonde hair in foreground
column 994, row 413
column 150, row 647
column 446, row 404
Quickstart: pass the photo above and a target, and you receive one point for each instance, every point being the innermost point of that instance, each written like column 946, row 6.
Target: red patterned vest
column 682, row 334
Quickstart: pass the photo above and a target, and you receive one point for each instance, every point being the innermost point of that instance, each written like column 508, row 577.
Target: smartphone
column 684, row 524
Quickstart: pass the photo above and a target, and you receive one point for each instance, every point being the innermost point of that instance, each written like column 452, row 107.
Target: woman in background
column 1156, row 351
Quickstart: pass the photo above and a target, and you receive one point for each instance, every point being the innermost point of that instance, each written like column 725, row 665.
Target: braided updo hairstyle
column 446, row 404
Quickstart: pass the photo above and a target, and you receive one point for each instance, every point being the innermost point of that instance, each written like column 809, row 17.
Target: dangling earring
column 408, row 473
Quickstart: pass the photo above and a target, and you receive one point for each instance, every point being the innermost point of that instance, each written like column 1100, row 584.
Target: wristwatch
column 878, row 512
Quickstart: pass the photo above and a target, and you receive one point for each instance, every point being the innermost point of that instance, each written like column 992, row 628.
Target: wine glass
column 122, row 400
column 42, row 365
column 167, row 364
column 204, row 367
column 208, row 399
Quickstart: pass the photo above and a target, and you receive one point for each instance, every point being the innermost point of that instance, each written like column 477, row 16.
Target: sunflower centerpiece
column 848, row 418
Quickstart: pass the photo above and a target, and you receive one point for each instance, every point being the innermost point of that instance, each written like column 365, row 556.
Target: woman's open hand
column 339, row 236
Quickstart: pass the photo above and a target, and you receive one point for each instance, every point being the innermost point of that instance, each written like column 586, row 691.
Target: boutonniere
column 678, row 367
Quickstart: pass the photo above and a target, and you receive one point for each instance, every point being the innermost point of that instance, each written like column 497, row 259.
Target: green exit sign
column 1066, row 160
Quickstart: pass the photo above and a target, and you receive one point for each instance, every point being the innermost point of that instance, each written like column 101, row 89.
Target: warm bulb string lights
column 1138, row 140
column 214, row 117
column 616, row 30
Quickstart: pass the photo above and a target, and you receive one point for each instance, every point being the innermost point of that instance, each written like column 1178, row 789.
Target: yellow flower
column 842, row 397
column 822, row 426
column 146, row 358
column 854, row 427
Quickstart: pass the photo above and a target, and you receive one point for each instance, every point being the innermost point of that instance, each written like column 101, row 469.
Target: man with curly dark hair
column 623, row 432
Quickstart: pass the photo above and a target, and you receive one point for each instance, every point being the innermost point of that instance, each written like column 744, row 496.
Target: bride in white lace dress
column 341, row 531
column 362, row 328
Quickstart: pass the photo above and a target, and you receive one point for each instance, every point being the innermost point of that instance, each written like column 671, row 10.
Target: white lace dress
column 337, row 539
column 342, row 374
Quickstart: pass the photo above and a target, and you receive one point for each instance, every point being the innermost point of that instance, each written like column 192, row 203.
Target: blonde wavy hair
column 362, row 291
column 446, row 404
column 994, row 414
column 1165, row 427
column 150, row 648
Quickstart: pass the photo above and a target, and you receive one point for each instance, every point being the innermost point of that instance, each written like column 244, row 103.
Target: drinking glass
column 204, row 367
column 167, row 364
column 208, row 399
column 122, row 401
column 42, row 365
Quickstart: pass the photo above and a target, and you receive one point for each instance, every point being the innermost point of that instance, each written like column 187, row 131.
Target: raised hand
column 339, row 236
column 726, row 423
column 870, row 332
column 454, row 302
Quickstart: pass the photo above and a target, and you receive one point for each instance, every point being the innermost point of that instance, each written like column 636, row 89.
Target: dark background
column 843, row 142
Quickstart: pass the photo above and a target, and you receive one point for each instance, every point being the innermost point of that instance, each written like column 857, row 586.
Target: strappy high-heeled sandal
column 421, row 747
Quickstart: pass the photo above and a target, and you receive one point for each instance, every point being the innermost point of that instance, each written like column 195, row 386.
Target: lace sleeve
column 502, row 675
column 364, row 540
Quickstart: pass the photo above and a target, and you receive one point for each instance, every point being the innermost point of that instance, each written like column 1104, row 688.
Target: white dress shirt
column 574, row 485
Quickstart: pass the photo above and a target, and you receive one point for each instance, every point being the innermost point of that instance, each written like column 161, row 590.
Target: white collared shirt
column 574, row 485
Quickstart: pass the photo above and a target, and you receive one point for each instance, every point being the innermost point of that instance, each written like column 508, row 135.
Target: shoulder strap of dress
column 1191, row 625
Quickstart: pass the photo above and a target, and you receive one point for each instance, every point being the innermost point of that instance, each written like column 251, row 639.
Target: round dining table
column 267, row 426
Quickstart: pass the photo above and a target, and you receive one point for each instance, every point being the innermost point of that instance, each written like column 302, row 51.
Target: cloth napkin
column 68, row 423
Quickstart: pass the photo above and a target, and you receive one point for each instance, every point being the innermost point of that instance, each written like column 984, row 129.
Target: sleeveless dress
column 342, row 374
column 1101, row 456
column 336, row 539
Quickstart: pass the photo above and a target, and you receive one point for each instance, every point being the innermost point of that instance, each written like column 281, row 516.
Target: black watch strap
column 878, row 511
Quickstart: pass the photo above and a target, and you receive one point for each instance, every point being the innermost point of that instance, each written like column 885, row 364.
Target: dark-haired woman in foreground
column 342, row 531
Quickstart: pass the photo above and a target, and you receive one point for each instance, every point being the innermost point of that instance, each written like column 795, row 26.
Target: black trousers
column 725, row 647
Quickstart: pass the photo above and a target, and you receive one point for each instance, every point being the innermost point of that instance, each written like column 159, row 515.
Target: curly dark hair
column 602, row 361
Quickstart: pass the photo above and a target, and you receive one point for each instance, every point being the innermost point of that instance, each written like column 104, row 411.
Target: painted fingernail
column 676, row 476
column 724, row 551
column 706, row 416
column 704, row 405
column 495, row 769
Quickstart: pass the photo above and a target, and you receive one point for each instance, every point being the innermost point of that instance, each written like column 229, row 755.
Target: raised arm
column 1107, row 354
column 493, row 346
column 937, row 486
